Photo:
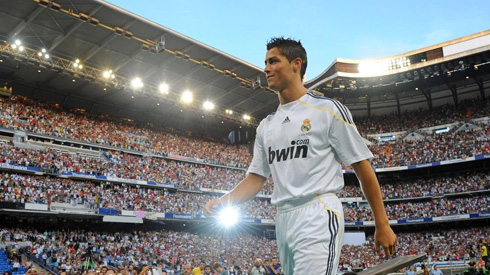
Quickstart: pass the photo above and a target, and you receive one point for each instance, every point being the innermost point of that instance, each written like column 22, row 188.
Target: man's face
column 207, row 270
column 279, row 71
column 274, row 262
column 187, row 269
column 202, row 265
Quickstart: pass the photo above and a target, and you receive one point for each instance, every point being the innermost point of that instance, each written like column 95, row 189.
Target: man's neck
column 292, row 93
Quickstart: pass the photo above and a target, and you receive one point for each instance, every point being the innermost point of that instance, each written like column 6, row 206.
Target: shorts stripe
column 333, row 227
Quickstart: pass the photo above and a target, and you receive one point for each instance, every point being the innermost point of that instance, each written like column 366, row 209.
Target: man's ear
column 297, row 63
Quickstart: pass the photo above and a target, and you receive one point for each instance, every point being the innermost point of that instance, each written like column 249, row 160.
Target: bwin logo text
column 299, row 151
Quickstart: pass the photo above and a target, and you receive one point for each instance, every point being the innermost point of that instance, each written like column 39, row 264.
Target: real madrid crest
column 306, row 126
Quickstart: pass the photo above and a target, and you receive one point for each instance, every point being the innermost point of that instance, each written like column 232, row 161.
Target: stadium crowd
column 439, row 245
column 427, row 186
column 74, row 251
column 46, row 190
column 415, row 210
column 432, row 148
column 49, row 119
column 183, row 175
column 68, row 250
column 416, row 119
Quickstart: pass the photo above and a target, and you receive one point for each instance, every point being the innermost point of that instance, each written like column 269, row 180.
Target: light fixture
column 108, row 74
column 77, row 64
column 208, row 105
column 163, row 88
column 228, row 111
column 187, row 97
column 137, row 83
column 246, row 117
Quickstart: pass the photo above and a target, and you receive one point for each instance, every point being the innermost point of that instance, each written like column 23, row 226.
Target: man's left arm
column 384, row 235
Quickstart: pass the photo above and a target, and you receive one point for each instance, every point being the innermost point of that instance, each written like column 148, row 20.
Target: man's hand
column 386, row 238
column 211, row 207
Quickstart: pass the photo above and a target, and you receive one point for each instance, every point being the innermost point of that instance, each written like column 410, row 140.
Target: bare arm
column 244, row 191
column 384, row 235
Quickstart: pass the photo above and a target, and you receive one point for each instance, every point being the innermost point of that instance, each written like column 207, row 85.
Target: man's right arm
column 244, row 191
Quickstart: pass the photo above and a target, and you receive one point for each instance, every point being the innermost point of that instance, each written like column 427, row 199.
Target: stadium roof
column 444, row 73
column 105, row 37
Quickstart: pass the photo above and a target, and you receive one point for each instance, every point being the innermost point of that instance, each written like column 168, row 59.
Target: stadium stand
column 72, row 157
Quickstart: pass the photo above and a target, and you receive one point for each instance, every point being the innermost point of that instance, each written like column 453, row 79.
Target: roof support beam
column 428, row 95
column 60, row 38
column 368, row 102
column 97, row 48
column 21, row 26
column 479, row 82
column 156, row 69
column 454, row 91
column 397, row 96
column 126, row 60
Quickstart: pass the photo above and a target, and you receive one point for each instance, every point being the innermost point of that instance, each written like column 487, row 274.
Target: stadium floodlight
column 228, row 216
column 163, row 88
column 228, row 111
column 17, row 42
column 108, row 74
column 77, row 64
column 137, row 83
column 21, row 48
column 246, row 117
column 208, row 105
column 43, row 52
column 187, row 97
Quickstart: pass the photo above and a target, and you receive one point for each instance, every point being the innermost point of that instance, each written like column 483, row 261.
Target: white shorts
column 309, row 234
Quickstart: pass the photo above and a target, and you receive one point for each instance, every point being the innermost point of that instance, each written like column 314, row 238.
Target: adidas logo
column 286, row 120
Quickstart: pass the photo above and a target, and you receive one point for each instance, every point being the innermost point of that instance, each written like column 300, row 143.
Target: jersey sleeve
column 260, row 163
column 344, row 137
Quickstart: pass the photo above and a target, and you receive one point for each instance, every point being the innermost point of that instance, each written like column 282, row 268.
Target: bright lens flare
column 228, row 216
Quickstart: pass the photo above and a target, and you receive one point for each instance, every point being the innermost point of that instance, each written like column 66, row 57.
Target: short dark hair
column 291, row 49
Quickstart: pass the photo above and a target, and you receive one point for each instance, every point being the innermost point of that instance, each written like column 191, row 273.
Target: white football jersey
column 303, row 144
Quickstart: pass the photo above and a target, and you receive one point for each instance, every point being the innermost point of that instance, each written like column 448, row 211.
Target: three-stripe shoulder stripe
column 342, row 109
